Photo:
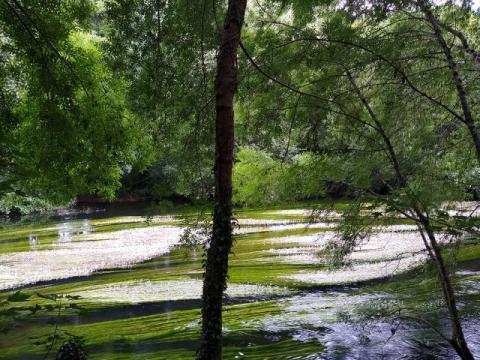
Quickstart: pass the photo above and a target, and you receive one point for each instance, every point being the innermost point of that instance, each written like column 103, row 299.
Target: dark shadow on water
column 112, row 313
column 258, row 344
column 119, row 312
column 470, row 265
column 142, row 347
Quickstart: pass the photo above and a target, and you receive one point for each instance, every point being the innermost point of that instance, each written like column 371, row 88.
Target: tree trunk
column 457, row 338
column 216, row 267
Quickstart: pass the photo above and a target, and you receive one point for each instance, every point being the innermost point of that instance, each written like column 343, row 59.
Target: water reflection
column 58, row 234
column 67, row 230
column 87, row 254
column 309, row 317
column 329, row 319
column 33, row 241
column 64, row 232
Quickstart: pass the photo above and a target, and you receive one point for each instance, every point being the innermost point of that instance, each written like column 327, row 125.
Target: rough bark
column 216, row 266
column 457, row 80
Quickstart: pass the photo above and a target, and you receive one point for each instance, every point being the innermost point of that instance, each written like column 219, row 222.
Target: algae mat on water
column 147, row 306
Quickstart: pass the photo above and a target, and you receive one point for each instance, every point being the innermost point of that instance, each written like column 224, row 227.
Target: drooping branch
column 475, row 54
column 457, row 80
column 427, row 233
column 381, row 131
column 42, row 36
column 303, row 93
column 465, row 117
column 379, row 56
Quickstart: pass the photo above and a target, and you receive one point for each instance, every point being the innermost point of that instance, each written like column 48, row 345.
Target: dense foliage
column 365, row 98
column 98, row 97
column 66, row 129
column 377, row 101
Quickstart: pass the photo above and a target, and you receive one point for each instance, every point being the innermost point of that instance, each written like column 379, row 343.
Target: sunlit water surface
column 77, row 248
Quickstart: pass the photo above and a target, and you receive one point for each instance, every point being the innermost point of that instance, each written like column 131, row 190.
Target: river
column 139, row 290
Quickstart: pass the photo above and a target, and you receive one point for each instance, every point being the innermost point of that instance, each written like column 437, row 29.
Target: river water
column 127, row 266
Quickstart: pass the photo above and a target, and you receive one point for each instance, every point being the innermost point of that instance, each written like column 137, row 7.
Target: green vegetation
column 121, row 329
column 352, row 127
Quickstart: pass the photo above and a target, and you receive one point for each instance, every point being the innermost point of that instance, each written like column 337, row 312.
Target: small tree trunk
column 216, row 267
column 457, row 338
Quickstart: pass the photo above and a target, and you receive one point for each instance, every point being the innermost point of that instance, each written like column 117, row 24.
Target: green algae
column 174, row 333
column 470, row 252
column 168, row 335
column 420, row 287
column 183, row 263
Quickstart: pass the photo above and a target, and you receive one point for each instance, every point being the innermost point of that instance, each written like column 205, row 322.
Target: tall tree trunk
column 216, row 267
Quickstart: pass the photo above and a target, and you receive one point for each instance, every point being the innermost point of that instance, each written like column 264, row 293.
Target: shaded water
column 127, row 269
column 329, row 318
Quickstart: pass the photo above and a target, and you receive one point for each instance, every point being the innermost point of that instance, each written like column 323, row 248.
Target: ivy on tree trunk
column 216, row 267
